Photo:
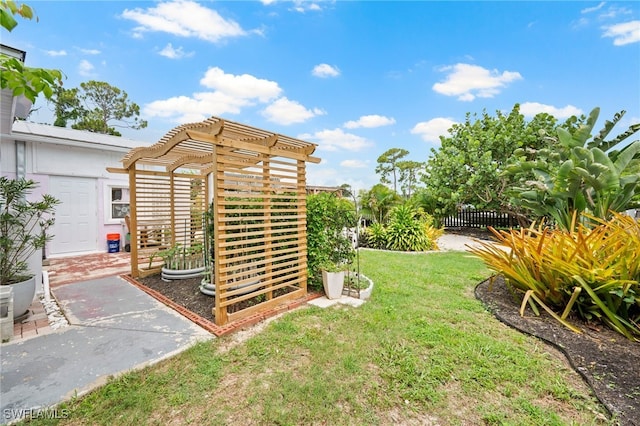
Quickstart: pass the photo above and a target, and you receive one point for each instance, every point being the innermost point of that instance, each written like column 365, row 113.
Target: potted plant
column 330, row 250
column 23, row 231
column 333, row 279
column 181, row 262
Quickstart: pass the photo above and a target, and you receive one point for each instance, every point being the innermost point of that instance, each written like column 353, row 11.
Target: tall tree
column 67, row 106
column 376, row 203
column 468, row 166
column 388, row 165
column 22, row 80
column 409, row 174
column 95, row 106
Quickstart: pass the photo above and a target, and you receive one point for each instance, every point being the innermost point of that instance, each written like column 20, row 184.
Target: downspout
column 21, row 161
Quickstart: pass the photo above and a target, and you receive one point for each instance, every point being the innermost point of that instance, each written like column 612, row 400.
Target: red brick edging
column 227, row 328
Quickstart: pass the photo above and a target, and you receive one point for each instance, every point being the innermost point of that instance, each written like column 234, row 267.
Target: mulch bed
column 608, row 361
column 187, row 294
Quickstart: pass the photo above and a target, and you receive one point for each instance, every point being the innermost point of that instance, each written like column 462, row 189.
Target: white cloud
column 90, row 51
column 184, row 18
column 615, row 12
column 172, row 53
column 230, row 93
column 325, row 70
column 284, row 111
column 304, row 5
column 530, row 109
column 625, row 33
column 56, row 52
column 337, row 139
column 369, row 121
column 243, row 86
column 86, row 68
column 593, row 9
column 354, row 164
column 468, row 81
column 430, row 131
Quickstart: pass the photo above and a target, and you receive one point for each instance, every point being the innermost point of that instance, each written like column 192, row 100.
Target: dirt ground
column 607, row 360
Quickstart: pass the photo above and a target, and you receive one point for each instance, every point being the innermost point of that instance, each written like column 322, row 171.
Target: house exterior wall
column 74, row 155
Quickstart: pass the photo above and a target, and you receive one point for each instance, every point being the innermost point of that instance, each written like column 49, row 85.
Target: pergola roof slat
column 199, row 138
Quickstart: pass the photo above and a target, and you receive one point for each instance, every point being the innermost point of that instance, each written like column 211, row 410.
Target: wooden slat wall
column 259, row 232
column 169, row 210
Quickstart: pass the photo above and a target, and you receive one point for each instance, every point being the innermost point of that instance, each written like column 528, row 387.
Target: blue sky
column 357, row 78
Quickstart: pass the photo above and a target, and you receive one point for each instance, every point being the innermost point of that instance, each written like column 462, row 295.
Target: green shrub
column 327, row 217
column 376, row 236
column 409, row 229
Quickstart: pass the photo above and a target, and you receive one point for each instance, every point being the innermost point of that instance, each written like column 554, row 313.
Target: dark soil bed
column 608, row 361
column 187, row 293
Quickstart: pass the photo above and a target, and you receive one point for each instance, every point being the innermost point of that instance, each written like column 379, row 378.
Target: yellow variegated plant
column 592, row 272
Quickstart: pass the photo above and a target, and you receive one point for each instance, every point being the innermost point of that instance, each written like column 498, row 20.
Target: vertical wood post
column 302, row 229
column 133, row 221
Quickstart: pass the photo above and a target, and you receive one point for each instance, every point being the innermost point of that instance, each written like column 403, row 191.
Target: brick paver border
column 210, row 326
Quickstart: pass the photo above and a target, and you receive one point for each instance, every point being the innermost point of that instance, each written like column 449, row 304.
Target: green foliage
column 327, row 243
column 10, row 8
column 408, row 229
column 22, row 80
column 94, row 106
column 67, row 106
column 23, row 227
column 409, row 176
column 388, row 165
column 376, row 236
column 578, row 174
column 594, row 273
column 376, row 203
column 467, row 168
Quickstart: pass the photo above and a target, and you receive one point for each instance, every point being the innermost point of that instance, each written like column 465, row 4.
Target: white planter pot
column 23, row 294
column 333, row 283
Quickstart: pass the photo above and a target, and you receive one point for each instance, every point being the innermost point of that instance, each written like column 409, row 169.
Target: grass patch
column 422, row 350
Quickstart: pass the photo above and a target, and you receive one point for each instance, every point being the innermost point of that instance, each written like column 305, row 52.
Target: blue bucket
column 113, row 243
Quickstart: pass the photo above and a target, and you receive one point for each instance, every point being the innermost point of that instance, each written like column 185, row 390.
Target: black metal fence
column 480, row 219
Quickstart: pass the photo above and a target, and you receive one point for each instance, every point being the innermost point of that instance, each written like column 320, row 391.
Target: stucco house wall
column 72, row 166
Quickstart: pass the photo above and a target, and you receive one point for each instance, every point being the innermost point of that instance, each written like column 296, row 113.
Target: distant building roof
column 45, row 133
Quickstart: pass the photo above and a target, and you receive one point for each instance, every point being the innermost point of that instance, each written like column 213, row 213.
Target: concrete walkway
column 454, row 242
column 114, row 328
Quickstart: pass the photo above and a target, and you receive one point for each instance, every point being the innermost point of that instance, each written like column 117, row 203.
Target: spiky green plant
column 593, row 272
column 406, row 230
column 376, row 236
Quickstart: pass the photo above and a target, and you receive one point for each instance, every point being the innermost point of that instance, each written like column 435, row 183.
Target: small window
column 119, row 203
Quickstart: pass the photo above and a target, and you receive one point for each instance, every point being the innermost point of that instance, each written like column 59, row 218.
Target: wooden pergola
column 255, row 183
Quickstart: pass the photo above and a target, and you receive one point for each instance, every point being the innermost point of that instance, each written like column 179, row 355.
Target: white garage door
column 76, row 226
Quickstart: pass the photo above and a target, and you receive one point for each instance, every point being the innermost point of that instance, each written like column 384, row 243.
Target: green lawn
column 422, row 351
